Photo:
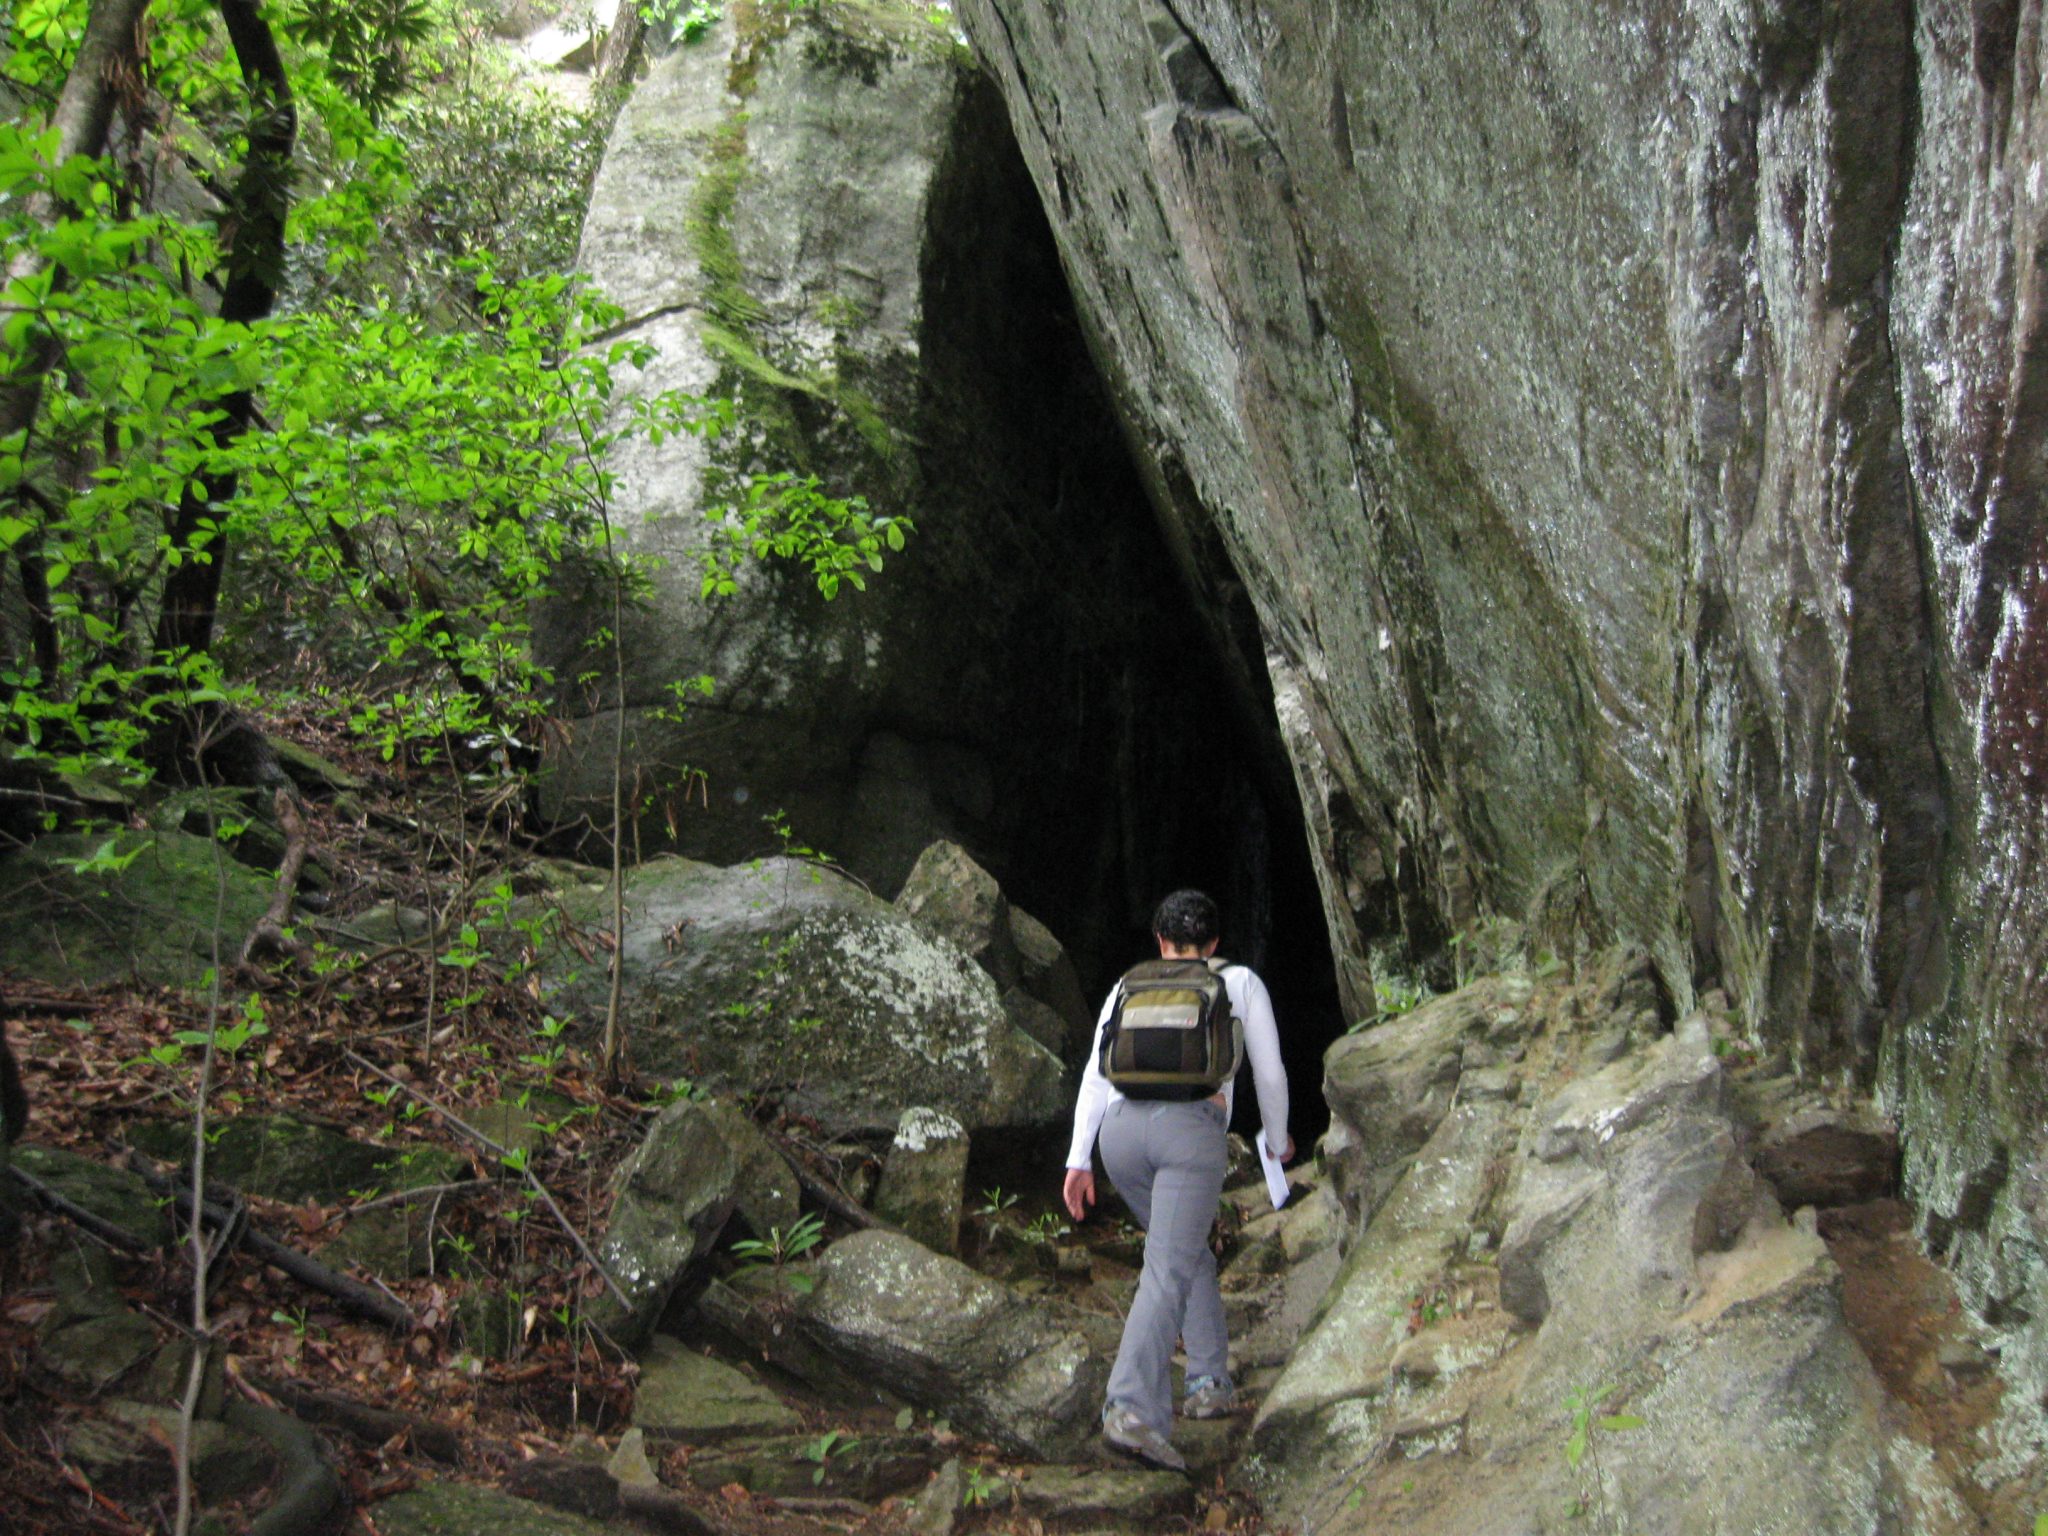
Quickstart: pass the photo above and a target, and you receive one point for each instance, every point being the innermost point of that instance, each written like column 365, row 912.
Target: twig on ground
column 371, row 1425
column 423, row 1192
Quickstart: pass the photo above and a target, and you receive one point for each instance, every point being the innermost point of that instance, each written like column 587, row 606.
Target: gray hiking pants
column 1167, row 1162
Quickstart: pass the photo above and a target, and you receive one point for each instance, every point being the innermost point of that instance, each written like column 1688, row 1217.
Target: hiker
column 1163, row 1147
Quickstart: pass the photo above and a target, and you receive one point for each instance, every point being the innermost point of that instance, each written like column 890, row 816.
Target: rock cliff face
column 1628, row 424
column 821, row 213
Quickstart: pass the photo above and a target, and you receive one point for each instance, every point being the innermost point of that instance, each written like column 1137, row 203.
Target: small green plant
column 103, row 860
column 994, row 1201
column 1587, row 1425
column 675, row 1091
column 552, row 1048
column 779, row 1249
column 1393, row 996
column 1045, row 1229
column 822, row 1449
column 294, row 1319
column 981, row 1489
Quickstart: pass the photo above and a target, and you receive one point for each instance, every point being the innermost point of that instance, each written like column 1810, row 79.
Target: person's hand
column 1079, row 1192
column 1287, row 1156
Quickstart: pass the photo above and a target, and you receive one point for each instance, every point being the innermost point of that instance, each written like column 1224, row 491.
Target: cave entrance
column 1130, row 727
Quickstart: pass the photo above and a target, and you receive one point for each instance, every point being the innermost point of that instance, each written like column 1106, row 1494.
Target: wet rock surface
column 1625, row 434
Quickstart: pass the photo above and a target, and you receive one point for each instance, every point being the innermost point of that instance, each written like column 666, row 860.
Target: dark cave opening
column 1132, row 730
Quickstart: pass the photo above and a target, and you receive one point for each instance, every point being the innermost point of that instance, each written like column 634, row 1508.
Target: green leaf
column 1621, row 1421
column 2041, row 1524
column 1575, row 1448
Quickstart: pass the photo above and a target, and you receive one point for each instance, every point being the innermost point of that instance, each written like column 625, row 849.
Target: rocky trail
column 1562, row 1263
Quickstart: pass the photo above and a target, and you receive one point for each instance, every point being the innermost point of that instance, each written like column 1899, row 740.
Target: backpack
column 1172, row 1033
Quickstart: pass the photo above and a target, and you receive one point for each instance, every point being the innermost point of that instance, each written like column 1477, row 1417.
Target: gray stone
column 1674, row 1074
column 1031, row 1017
column 1048, row 975
column 87, row 1352
column 924, row 1179
column 1391, row 1085
column 490, row 1320
column 956, row 897
column 514, row 1127
column 1115, row 1495
column 672, row 1199
column 688, row 1396
column 935, row 1509
column 463, row 1509
column 766, row 1195
column 129, row 1445
column 1826, row 1157
column 865, row 1467
column 110, row 1193
column 937, row 1334
column 1310, row 1224
column 393, row 1242
column 782, row 976
column 630, row 1464
column 282, row 1157
column 151, row 919
column 1348, row 1351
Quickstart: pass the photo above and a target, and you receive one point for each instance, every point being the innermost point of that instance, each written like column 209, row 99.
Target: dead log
column 372, row 1426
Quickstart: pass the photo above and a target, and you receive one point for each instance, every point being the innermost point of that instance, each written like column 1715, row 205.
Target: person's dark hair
column 1186, row 917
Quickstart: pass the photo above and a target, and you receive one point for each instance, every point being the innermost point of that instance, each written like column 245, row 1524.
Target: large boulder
column 931, row 1330
column 779, row 976
column 956, row 897
column 671, row 1201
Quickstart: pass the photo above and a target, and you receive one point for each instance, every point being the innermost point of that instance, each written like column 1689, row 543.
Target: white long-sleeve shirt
column 1254, row 1005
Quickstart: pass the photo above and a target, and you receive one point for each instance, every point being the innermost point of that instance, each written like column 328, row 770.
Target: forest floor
column 454, row 1039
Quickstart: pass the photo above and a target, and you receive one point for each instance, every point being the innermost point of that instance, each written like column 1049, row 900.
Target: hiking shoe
column 1126, row 1432
column 1209, row 1397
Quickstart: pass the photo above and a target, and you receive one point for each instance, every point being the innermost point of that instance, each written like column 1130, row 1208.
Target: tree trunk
column 84, row 112
column 261, row 200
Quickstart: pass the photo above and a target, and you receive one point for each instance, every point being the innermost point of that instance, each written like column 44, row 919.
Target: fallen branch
column 824, row 1191
column 504, row 1155
column 422, row 1192
column 268, row 936
column 372, row 1426
column 365, row 1301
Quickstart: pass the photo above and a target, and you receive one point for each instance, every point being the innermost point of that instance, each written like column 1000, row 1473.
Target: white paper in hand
column 1276, row 1176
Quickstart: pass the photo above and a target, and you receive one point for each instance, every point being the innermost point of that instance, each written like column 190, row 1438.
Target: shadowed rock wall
column 823, row 215
column 1627, row 423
